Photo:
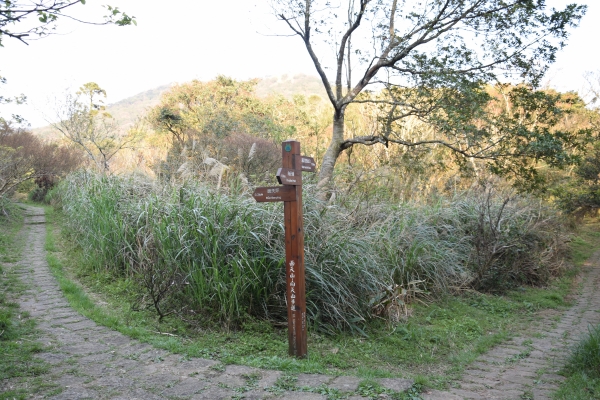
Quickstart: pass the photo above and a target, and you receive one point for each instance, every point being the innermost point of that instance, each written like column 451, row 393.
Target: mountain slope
column 127, row 111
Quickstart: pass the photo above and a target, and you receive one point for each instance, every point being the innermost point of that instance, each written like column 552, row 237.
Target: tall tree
column 426, row 55
column 13, row 13
column 84, row 121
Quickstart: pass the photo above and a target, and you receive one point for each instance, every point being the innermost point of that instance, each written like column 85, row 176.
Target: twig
column 165, row 333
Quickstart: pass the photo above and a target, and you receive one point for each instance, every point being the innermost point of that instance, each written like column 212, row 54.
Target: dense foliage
column 516, row 132
column 18, row 14
column 221, row 125
column 428, row 56
column 220, row 255
column 24, row 157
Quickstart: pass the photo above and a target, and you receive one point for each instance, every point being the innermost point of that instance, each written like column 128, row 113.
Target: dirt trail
column 92, row 361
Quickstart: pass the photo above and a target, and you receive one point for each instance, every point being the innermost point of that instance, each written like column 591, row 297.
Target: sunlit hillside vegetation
column 128, row 111
column 166, row 205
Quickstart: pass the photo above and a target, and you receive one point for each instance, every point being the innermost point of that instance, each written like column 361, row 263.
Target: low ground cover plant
column 217, row 257
column 583, row 369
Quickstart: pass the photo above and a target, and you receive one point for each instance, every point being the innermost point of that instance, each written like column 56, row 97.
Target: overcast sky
column 180, row 40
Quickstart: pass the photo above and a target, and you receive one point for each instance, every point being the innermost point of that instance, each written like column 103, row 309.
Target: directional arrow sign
column 275, row 193
column 306, row 163
column 288, row 176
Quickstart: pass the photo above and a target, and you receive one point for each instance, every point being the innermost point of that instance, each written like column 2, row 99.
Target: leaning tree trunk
column 334, row 150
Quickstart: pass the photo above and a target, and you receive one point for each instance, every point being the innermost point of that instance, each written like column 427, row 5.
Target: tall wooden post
column 294, row 255
column 290, row 176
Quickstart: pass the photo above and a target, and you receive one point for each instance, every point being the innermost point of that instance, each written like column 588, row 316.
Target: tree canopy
column 430, row 58
column 220, row 124
column 83, row 120
column 14, row 13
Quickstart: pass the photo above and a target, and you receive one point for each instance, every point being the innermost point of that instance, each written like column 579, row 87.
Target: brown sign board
column 307, row 164
column 275, row 193
column 288, row 176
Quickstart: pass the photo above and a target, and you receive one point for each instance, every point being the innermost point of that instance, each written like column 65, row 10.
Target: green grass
column 586, row 355
column 435, row 344
column 225, row 255
column 17, row 330
column 10, row 246
column 579, row 386
column 583, row 369
column 585, row 242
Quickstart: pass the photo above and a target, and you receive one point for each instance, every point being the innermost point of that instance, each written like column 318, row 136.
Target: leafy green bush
column 221, row 256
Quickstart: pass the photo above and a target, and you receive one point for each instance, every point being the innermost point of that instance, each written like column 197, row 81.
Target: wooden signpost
column 290, row 176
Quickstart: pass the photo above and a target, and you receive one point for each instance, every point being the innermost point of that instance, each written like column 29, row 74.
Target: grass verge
column 17, row 330
column 433, row 345
column 583, row 367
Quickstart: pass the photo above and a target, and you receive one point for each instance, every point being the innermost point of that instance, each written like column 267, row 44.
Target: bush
column 43, row 184
column 515, row 240
column 222, row 255
column 8, row 209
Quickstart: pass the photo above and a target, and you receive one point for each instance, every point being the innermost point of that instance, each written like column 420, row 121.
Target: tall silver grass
column 220, row 256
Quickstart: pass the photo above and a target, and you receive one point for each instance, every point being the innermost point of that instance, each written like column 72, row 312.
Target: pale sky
column 179, row 40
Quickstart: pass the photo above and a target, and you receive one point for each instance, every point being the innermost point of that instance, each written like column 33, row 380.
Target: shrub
column 44, row 184
column 8, row 209
column 516, row 240
column 222, row 255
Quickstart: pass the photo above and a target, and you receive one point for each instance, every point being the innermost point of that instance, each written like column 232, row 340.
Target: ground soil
column 90, row 361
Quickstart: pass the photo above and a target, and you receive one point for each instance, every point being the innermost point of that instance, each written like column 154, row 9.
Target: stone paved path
column 93, row 362
column 526, row 367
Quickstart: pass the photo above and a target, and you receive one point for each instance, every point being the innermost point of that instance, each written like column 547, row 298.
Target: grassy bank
column 583, row 369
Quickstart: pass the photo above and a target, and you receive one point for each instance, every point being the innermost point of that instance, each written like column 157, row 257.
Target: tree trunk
column 331, row 155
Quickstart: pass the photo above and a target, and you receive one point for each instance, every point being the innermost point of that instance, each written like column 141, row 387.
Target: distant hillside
column 46, row 132
column 127, row 111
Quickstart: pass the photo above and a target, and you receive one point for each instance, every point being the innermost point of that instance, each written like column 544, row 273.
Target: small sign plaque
column 275, row 193
column 288, row 176
column 306, row 163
